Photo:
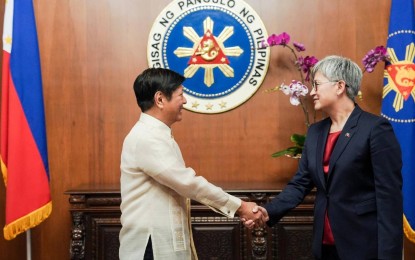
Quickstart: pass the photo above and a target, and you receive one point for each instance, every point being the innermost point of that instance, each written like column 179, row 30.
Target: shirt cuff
column 231, row 206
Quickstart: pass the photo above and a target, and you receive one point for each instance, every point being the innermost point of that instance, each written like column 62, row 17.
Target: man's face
column 173, row 108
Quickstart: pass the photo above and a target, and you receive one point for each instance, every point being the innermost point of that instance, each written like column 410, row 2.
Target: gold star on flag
column 8, row 39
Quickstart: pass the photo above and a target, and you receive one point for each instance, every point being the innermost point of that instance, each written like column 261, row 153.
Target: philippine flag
column 24, row 160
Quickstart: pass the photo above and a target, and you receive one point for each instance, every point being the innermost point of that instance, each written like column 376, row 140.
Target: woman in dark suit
column 353, row 159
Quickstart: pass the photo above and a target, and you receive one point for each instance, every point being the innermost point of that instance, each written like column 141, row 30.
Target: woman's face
column 324, row 92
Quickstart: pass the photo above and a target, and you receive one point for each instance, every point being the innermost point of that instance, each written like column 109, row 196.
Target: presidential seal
column 215, row 45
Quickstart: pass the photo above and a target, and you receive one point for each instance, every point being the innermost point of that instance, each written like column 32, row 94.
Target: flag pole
column 28, row 245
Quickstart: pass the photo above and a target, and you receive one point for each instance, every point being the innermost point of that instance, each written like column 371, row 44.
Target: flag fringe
column 409, row 232
column 29, row 221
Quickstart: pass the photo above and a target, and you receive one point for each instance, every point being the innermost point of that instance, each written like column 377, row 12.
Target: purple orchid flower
column 306, row 64
column 299, row 46
column 374, row 56
column 284, row 38
column 281, row 39
column 273, row 40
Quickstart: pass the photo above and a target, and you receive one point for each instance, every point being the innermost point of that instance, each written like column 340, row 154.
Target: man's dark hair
column 152, row 80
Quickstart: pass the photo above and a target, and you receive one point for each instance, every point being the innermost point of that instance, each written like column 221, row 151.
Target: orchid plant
column 297, row 90
column 373, row 57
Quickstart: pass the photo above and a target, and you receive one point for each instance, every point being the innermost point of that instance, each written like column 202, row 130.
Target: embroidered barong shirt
column 155, row 190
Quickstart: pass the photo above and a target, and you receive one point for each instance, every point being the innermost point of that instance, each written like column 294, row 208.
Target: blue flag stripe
column 26, row 72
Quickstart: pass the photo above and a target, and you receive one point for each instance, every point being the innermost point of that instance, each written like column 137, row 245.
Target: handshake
column 252, row 215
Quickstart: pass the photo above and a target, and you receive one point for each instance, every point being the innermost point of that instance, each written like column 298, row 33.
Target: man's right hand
column 251, row 223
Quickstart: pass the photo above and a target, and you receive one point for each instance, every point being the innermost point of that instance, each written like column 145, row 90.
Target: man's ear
column 158, row 99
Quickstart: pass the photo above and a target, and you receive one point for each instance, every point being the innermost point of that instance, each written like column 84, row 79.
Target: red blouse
column 328, row 238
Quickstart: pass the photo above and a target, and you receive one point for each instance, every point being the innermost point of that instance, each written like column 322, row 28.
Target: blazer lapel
column 321, row 144
column 346, row 135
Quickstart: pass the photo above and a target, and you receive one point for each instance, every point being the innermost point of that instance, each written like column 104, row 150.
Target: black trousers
column 148, row 255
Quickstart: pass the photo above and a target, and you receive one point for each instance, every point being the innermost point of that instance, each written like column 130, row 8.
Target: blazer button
column 229, row 212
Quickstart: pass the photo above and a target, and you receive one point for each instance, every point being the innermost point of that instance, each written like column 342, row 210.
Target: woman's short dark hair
column 152, row 80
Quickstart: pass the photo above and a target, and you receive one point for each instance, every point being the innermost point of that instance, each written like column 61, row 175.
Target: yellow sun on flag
column 401, row 77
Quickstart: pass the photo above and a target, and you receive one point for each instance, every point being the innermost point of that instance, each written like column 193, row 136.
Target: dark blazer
column 362, row 193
